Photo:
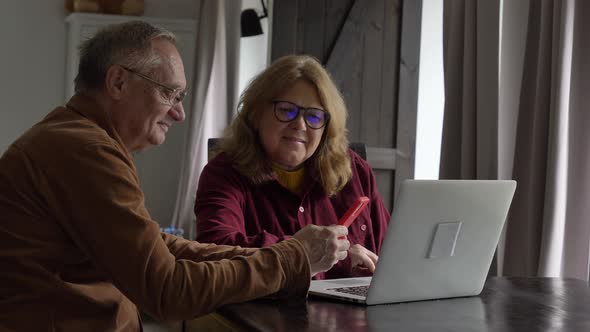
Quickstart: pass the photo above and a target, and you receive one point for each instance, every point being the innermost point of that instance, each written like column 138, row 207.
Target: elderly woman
column 284, row 163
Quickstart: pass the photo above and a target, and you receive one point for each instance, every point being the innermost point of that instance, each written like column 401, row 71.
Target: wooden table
column 505, row 304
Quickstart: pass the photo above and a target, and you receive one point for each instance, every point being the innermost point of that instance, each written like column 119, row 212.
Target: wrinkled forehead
column 171, row 68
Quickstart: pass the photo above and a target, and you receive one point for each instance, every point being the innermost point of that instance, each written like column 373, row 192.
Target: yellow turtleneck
column 292, row 180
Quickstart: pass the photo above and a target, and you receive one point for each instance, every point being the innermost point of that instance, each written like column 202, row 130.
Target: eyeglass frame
column 299, row 109
column 174, row 92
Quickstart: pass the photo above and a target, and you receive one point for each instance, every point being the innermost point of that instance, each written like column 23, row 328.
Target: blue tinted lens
column 286, row 111
column 291, row 113
column 315, row 118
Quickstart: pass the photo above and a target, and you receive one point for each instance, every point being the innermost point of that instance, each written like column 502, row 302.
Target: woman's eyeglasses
column 172, row 97
column 314, row 118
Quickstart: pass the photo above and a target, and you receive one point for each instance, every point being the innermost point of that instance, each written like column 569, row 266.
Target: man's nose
column 177, row 112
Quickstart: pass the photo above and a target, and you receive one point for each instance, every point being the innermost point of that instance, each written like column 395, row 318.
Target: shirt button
column 301, row 209
column 363, row 227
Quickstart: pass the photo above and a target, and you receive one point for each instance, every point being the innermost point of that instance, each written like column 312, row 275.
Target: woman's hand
column 362, row 258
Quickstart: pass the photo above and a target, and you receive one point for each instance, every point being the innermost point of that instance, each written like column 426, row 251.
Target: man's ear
column 115, row 81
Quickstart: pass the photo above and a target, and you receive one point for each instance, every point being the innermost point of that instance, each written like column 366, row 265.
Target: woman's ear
column 251, row 120
column 115, row 81
column 323, row 142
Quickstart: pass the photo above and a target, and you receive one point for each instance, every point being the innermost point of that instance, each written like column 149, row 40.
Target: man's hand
column 323, row 245
column 362, row 258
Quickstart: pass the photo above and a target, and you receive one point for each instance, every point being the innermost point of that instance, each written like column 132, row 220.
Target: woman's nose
column 299, row 122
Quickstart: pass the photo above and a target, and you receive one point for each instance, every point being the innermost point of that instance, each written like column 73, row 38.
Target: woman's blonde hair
column 241, row 141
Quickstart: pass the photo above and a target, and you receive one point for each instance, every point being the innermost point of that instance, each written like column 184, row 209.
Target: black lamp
column 250, row 21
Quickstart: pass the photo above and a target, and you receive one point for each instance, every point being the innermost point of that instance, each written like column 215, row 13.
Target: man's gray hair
column 126, row 44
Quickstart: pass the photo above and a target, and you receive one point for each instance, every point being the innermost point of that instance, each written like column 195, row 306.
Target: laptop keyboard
column 356, row 290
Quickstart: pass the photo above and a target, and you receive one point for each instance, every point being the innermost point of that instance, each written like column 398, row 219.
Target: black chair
column 211, row 147
column 359, row 148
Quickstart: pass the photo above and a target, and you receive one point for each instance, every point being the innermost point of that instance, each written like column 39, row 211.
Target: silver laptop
column 439, row 244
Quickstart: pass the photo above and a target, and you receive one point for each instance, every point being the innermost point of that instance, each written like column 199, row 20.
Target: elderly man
column 78, row 250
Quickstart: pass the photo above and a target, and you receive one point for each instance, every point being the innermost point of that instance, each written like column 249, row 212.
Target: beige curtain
column 470, row 60
column 548, row 228
column 576, row 253
column 537, row 163
column 215, row 95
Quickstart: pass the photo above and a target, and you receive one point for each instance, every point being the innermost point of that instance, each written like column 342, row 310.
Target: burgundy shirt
column 231, row 210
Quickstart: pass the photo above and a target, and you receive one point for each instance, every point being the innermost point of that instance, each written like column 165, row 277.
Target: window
column 431, row 96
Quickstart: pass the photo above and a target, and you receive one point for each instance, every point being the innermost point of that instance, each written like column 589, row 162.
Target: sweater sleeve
column 97, row 199
column 219, row 209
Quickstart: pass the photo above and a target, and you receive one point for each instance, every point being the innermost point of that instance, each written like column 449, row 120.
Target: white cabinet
column 158, row 167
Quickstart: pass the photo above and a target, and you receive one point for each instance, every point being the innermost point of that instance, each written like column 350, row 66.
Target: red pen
column 353, row 211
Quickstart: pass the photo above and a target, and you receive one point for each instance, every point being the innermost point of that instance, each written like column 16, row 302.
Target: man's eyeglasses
column 286, row 111
column 173, row 96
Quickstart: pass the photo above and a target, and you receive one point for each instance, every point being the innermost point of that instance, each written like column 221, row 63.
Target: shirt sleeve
column 96, row 197
column 365, row 178
column 380, row 216
column 219, row 209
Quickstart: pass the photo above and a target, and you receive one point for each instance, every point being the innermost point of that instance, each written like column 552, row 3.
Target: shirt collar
column 88, row 107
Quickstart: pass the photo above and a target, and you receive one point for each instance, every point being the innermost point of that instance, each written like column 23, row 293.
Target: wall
column 253, row 49
column 32, row 64
column 32, row 61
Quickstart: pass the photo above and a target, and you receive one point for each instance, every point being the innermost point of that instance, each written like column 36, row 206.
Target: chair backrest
column 211, row 147
column 359, row 148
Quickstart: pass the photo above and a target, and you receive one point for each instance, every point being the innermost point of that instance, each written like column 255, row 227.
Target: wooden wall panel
column 372, row 68
column 387, row 124
column 314, row 28
column 390, row 70
column 284, row 25
column 336, row 14
column 346, row 65
column 300, row 27
column 352, row 92
column 377, row 125
column 359, row 42
column 407, row 108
